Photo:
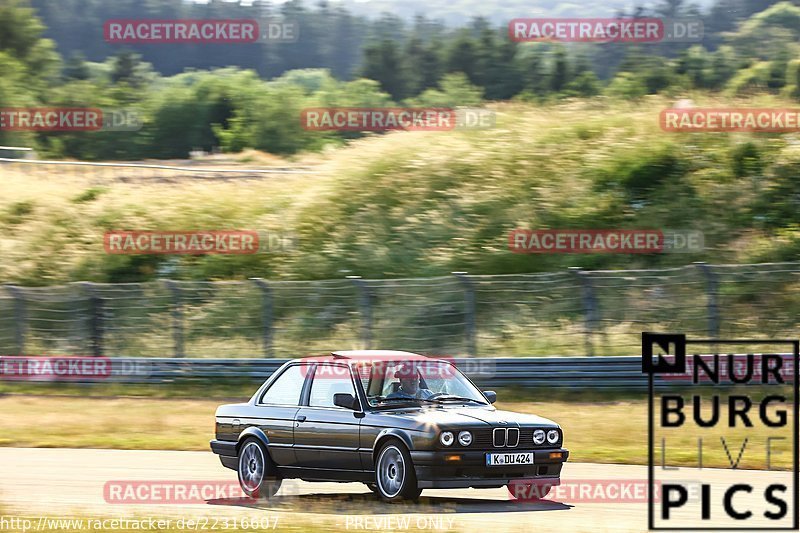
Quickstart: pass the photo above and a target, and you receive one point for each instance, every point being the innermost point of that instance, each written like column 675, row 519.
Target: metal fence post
column 470, row 334
column 266, row 314
column 589, row 308
column 365, row 304
column 95, row 318
column 20, row 317
column 177, row 317
column 712, row 285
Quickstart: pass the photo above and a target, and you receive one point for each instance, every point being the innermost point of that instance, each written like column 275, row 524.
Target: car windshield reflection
column 399, row 383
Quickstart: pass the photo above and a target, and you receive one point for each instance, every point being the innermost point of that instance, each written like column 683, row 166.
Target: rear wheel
column 395, row 478
column 258, row 476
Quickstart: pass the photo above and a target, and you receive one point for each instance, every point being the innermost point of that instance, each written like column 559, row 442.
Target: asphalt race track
column 70, row 482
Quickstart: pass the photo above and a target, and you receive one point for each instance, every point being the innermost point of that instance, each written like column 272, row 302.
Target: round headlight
column 538, row 436
column 446, row 438
column 552, row 436
column 465, row 438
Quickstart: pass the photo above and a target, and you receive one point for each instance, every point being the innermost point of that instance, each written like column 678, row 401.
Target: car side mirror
column 490, row 395
column 348, row 401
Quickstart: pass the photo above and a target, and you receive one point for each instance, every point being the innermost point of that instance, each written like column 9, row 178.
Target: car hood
column 470, row 417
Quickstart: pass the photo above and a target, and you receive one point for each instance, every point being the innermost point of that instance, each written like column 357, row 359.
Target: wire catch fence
column 573, row 312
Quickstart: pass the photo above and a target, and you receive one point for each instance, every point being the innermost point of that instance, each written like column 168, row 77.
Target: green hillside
column 429, row 203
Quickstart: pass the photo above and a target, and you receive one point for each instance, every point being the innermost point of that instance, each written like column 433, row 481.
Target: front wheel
column 395, row 478
column 257, row 473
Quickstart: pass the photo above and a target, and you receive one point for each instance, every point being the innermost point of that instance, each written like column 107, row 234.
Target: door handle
column 301, row 418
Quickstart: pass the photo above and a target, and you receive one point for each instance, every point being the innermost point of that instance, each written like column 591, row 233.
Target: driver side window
column 330, row 380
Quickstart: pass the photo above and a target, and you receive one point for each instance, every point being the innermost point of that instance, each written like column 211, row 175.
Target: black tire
column 395, row 478
column 258, row 476
column 373, row 487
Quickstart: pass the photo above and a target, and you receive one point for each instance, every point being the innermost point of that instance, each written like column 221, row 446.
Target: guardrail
column 531, row 372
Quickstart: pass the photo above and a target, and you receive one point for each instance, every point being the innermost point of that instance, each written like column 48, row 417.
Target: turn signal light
column 556, row 455
column 449, row 458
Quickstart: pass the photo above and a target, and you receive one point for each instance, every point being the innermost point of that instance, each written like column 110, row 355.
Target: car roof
column 356, row 356
column 378, row 354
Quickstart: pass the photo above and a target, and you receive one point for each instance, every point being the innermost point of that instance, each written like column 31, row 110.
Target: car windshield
column 397, row 383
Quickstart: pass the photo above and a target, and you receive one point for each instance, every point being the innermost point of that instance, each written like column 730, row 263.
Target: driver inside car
column 409, row 385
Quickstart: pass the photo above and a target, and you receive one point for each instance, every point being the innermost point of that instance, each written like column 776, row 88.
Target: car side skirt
column 326, row 474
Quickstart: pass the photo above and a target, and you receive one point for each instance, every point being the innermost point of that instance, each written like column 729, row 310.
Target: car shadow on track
column 368, row 503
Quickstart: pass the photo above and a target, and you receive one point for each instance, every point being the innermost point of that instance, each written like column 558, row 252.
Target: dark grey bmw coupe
column 397, row 421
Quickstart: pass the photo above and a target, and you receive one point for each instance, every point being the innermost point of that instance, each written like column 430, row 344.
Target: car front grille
column 483, row 439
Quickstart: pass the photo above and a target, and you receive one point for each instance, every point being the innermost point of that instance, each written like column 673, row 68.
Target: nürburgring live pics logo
column 757, row 425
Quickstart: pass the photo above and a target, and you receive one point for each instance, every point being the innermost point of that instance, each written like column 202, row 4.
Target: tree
column 559, row 77
column 422, row 64
column 382, row 63
column 792, row 89
column 128, row 67
column 670, row 8
column 769, row 33
column 723, row 67
column 777, row 71
column 694, row 63
column 626, row 86
column 21, row 38
column 534, row 77
column 485, row 53
column 584, row 85
column 756, row 6
column 76, row 67
column 456, row 91
column 722, row 17
column 503, row 76
column 462, row 57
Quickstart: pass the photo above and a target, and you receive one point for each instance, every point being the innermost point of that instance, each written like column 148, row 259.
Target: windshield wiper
column 456, row 399
column 398, row 400
column 413, row 401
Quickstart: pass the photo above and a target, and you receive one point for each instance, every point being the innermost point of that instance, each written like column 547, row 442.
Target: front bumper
column 470, row 470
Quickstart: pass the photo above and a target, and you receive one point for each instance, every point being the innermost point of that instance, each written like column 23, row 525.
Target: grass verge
column 601, row 431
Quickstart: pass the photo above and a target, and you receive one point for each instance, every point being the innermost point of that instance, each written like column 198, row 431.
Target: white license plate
column 502, row 459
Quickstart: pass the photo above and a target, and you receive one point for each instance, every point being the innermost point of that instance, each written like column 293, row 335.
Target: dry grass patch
column 610, row 432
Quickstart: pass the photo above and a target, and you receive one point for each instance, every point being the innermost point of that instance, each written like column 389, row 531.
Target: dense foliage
column 249, row 96
column 429, row 203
